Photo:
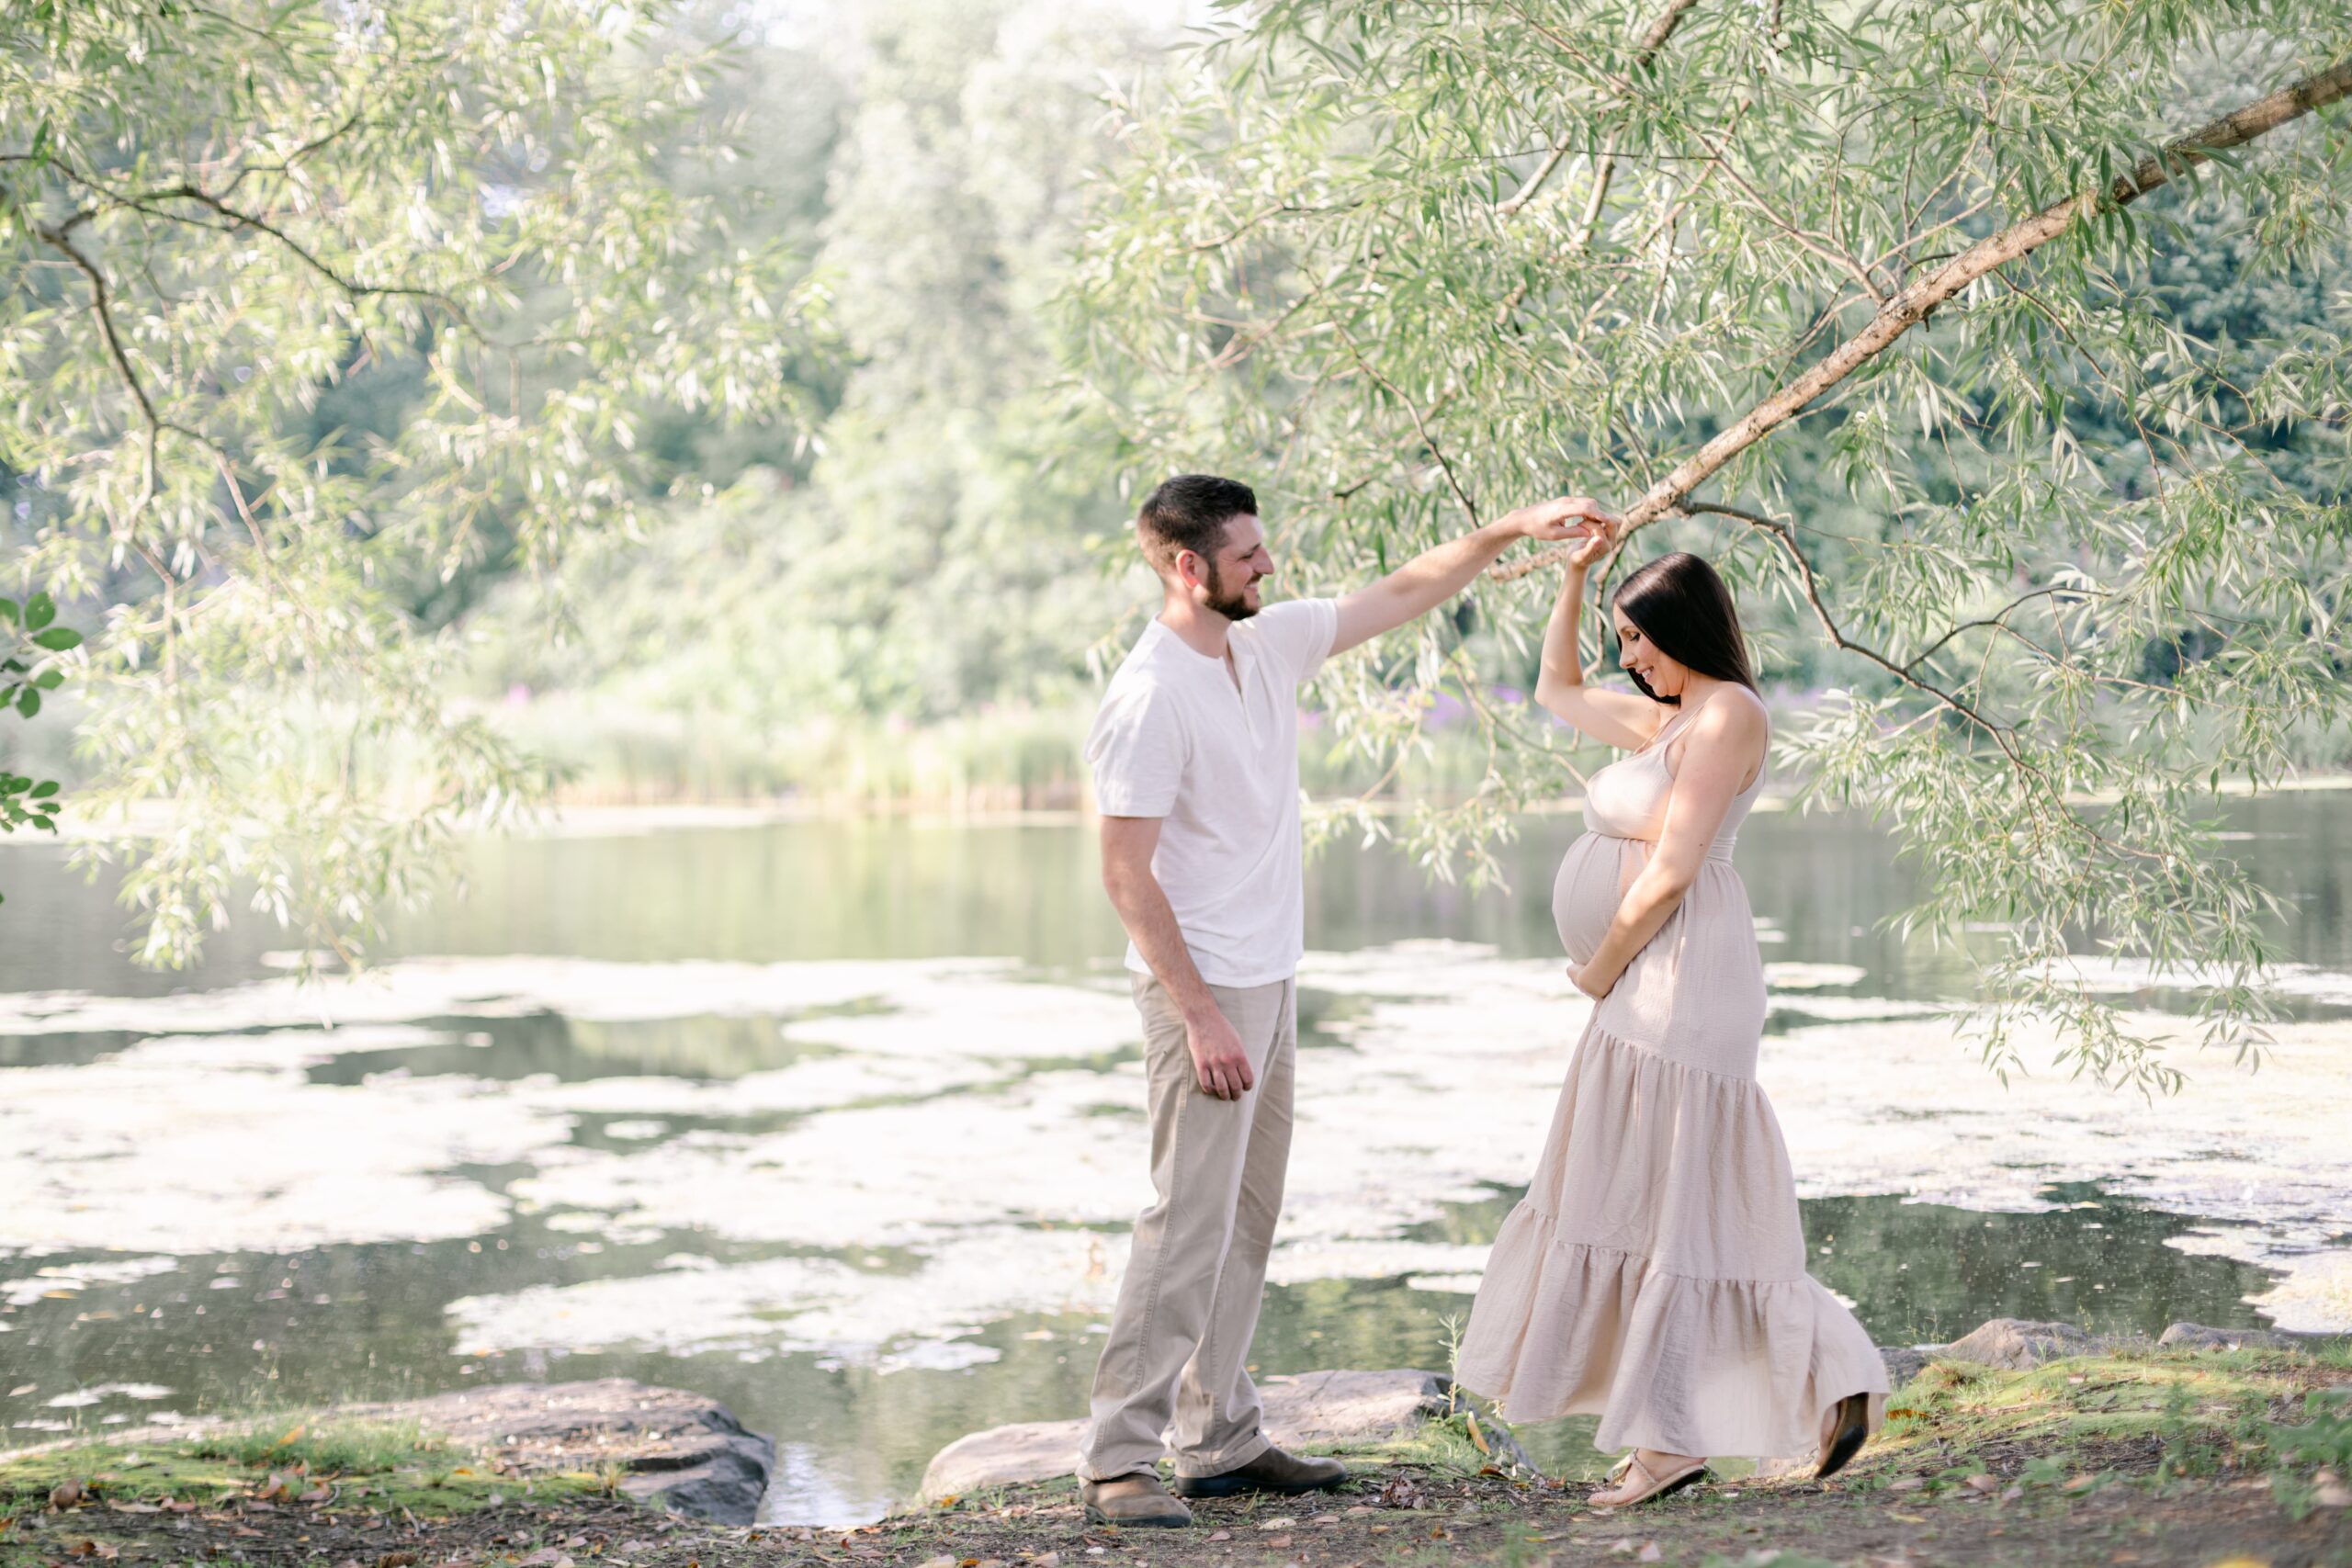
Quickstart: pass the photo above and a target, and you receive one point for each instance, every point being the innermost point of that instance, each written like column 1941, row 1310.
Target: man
column 1196, row 759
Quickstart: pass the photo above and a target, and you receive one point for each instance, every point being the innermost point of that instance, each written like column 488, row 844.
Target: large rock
column 1904, row 1363
column 2014, row 1344
column 676, row 1450
column 1313, row 1407
column 2197, row 1336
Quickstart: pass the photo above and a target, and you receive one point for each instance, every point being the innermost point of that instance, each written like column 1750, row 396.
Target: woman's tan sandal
column 1843, row 1434
column 1653, row 1485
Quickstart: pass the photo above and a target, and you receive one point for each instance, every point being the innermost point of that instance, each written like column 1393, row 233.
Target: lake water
column 842, row 1123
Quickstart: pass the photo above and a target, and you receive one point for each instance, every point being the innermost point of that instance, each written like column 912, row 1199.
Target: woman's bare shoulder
column 1734, row 720
column 1737, row 710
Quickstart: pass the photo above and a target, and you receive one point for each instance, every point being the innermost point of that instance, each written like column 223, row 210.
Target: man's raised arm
column 1436, row 575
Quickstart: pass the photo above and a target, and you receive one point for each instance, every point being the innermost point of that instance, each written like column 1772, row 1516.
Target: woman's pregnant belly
column 1594, row 878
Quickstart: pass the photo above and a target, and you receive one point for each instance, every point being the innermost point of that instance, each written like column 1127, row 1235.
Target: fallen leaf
column 1648, row 1553
column 292, row 1437
column 322, row 1492
column 1277, row 1542
column 1907, row 1519
column 1324, row 1520
column 2332, row 1493
column 397, row 1559
column 1221, row 1535
column 2011, row 1494
column 1359, row 1511
column 2082, row 1483
column 1982, row 1482
column 1046, row 1560
column 1908, row 1483
column 68, row 1493
column 1284, row 1523
column 942, row 1560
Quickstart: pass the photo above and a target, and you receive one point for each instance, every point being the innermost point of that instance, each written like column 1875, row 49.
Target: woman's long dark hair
column 1683, row 608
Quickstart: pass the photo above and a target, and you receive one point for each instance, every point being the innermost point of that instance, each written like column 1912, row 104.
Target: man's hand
column 1219, row 1060
column 1436, row 575
column 1568, row 517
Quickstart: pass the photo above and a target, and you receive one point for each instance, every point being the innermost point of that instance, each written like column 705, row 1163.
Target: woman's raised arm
column 1621, row 719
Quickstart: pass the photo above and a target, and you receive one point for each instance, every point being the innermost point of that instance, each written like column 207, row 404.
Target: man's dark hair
column 1687, row 613
column 1189, row 513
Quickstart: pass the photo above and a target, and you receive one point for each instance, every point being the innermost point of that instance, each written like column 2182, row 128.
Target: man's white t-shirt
column 1177, row 739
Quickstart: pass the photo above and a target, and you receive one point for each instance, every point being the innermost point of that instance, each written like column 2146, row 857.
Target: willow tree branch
column 1915, row 303
column 1644, row 52
column 2000, row 618
column 102, row 307
column 2045, row 788
column 354, row 287
column 1421, row 427
column 1781, row 533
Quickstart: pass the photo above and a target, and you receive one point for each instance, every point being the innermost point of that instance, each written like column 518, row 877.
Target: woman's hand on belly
column 1577, row 977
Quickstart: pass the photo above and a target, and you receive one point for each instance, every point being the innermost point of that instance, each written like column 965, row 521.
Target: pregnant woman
column 1655, row 1274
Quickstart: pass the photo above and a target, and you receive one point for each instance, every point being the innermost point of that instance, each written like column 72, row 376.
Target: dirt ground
column 1393, row 1514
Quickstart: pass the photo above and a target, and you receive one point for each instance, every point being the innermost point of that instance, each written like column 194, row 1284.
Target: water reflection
column 576, row 1087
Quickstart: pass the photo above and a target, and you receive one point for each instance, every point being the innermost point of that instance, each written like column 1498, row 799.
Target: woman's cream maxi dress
column 1655, row 1272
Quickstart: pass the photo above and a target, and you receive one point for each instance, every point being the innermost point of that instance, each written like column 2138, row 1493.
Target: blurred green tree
column 314, row 311
column 1959, row 310
column 933, row 558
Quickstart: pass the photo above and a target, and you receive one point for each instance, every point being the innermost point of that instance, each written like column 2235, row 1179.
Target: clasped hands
column 1567, row 517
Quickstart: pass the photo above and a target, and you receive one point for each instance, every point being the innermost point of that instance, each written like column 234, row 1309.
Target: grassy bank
column 251, row 1489
column 998, row 759
column 1007, row 757
column 2198, row 1457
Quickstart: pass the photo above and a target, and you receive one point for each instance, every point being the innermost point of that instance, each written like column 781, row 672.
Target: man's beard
column 1232, row 606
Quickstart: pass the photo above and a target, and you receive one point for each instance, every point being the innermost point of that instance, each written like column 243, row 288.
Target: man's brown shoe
column 1132, row 1500
column 1272, row 1471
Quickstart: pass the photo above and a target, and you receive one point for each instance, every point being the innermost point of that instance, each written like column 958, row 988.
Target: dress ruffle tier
column 1655, row 1273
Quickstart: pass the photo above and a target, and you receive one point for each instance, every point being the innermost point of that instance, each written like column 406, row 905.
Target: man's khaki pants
column 1188, row 1306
